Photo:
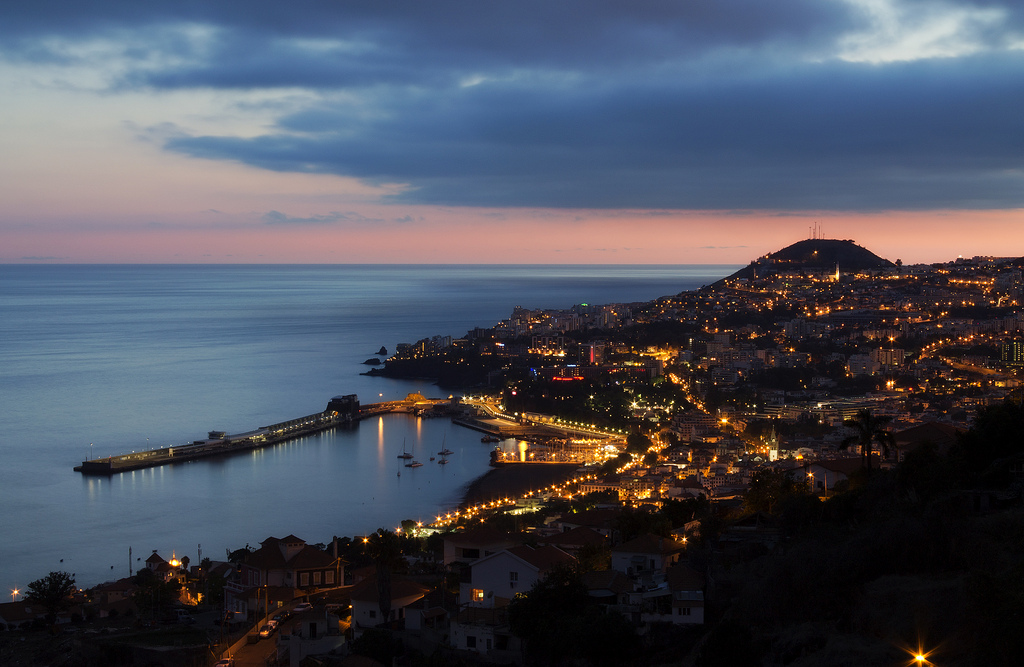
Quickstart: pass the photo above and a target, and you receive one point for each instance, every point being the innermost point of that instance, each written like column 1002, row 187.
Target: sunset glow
column 457, row 135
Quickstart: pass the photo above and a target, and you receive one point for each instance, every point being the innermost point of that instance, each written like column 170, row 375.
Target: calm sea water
column 98, row 360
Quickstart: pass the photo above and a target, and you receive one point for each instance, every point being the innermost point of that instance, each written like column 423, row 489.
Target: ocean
column 98, row 360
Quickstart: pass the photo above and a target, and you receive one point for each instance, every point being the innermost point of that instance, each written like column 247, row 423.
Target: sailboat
column 404, row 454
column 444, row 450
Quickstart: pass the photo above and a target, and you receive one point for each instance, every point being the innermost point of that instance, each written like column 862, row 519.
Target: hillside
column 813, row 255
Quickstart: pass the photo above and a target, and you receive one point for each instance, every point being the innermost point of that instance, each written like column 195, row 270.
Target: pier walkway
column 341, row 411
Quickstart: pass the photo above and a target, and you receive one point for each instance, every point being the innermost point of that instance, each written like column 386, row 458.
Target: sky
column 534, row 131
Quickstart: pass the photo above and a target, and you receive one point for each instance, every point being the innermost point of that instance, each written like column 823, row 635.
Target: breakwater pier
column 340, row 411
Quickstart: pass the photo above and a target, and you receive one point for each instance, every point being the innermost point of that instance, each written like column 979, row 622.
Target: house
column 502, row 575
column 278, row 572
column 601, row 520
column 113, row 591
column 365, row 598
column 943, row 436
column 310, row 636
column 23, row 613
column 574, row 539
column 429, row 614
column 290, row 562
column 469, row 546
column 161, row 568
column 481, row 625
column 113, row 598
column 824, row 475
column 615, row 590
column 687, row 590
column 16, row 614
column 647, row 557
column 485, row 631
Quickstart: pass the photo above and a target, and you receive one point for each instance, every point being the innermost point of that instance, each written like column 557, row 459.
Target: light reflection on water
column 103, row 360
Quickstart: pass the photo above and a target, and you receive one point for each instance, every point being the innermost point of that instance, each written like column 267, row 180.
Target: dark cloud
column 733, row 104
column 928, row 134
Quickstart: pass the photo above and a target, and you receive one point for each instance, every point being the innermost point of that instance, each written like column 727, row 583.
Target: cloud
column 794, row 105
column 278, row 218
column 837, row 135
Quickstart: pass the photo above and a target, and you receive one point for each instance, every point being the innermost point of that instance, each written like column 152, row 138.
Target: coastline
column 515, row 479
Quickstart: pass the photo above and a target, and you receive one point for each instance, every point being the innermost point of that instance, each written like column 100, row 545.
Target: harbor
column 344, row 411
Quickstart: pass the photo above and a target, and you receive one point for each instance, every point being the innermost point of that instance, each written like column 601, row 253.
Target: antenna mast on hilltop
column 815, row 231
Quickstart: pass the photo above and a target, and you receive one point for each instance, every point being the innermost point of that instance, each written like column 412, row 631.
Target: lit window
column 478, row 595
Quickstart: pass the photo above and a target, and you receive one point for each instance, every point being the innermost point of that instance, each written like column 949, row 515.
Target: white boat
column 404, row 454
column 444, row 449
column 414, row 464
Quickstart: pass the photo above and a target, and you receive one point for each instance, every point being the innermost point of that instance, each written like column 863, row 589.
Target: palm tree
column 870, row 430
column 386, row 551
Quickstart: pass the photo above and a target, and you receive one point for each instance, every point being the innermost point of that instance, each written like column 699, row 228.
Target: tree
column 593, row 557
column 385, row 549
column 637, row 443
column 559, row 623
column 768, row 488
column 986, row 451
column 53, row 592
column 870, row 430
column 155, row 596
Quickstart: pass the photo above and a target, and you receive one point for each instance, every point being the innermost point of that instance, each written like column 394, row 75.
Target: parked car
column 301, row 607
column 268, row 629
column 281, row 616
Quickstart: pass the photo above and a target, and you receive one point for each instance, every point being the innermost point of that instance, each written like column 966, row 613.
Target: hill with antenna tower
column 816, row 255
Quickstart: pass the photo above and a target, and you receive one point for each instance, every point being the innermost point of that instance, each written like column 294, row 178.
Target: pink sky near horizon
column 436, row 235
column 137, row 204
